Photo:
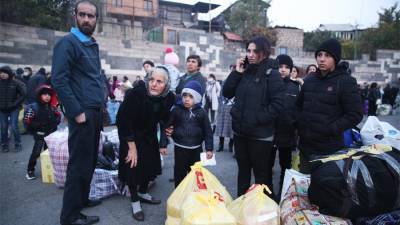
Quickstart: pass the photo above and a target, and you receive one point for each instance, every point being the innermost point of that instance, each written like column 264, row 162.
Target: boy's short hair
column 148, row 62
column 195, row 57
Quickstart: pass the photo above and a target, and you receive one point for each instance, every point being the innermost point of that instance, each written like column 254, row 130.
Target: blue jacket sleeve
column 63, row 60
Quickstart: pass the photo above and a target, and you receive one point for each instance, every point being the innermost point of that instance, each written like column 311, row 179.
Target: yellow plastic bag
column 198, row 179
column 255, row 208
column 205, row 208
column 47, row 167
column 296, row 160
column 172, row 221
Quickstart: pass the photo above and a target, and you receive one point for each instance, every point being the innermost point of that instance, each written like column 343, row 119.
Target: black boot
column 230, row 145
column 221, row 144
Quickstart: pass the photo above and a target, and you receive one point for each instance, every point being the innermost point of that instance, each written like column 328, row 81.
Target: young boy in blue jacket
column 191, row 126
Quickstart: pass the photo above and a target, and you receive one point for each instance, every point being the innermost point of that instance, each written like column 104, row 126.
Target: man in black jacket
column 77, row 79
column 328, row 103
column 193, row 65
column 12, row 94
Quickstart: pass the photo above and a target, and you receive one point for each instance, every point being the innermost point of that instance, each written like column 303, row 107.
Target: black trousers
column 184, row 158
column 372, row 107
column 285, row 161
column 208, row 108
column 39, row 145
column 252, row 155
column 83, row 145
column 305, row 164
column 143, row 187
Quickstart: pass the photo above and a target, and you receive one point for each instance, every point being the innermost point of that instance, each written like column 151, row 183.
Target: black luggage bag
column 357, row 187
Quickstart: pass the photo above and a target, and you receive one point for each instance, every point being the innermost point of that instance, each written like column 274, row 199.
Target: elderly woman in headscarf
column 139, row 160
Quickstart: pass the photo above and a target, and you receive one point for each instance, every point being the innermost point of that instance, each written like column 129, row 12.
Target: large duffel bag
column 364, row 184
column 392, row 218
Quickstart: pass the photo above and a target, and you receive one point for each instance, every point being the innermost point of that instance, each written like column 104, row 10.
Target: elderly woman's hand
column 132, row 155
column 163, row 151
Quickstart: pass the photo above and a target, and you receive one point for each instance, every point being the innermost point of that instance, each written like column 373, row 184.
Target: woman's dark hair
column 212, row 76
column 195, row 57
column 297, row 69
column 125, row 78
column 262, row 45
column 309, row 66
column 85, row 1
column 374, row 85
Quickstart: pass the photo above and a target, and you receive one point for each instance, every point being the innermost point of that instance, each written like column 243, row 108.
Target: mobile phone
column 245, row 62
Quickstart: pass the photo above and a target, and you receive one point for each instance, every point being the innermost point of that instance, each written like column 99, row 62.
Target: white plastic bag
column 291, row 174
column 377, row 132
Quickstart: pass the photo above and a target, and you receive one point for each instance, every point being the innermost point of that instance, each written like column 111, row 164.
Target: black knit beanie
column 285, row 59
column 333, row 47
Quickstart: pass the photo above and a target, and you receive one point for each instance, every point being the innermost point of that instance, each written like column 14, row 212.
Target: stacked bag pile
column 361, row 184
column 200, row 199
column 295, row 206
column 105, row 178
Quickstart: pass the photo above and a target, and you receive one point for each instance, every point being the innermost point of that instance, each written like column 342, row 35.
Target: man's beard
column 87, row 29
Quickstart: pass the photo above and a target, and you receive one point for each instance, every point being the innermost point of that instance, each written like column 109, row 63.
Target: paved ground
column 24, row 202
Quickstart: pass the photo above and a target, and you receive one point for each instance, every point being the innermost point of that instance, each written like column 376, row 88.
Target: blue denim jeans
column 6, row 119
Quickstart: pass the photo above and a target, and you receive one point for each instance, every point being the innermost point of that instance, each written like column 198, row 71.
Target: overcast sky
column 308, row 14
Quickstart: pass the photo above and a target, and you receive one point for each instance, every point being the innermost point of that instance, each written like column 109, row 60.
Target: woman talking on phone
column 257, row 87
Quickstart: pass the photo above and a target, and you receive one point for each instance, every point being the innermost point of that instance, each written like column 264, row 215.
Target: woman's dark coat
column 258, row 99
column 137, row 120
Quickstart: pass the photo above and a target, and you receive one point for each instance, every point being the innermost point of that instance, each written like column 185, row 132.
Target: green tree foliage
column 248, row 18
column 51, row 14
column 313, row 39
column 350, row 49
column 386, row 36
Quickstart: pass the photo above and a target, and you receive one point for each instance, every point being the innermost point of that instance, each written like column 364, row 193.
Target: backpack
column 27, row 114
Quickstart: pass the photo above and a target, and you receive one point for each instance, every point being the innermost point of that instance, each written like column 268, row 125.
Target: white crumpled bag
column 291, row 174
column 377, row 132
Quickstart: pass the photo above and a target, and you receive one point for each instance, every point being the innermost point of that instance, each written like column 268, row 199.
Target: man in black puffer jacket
column 12, row 94
column 258, row 101
column 328, row 103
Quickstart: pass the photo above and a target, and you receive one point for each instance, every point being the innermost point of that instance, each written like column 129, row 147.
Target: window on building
column 283, row 50
column 172, row 37
column 117, row 3
column 148, row 5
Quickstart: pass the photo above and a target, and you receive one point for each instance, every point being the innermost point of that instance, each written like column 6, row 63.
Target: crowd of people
column 264, row 108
